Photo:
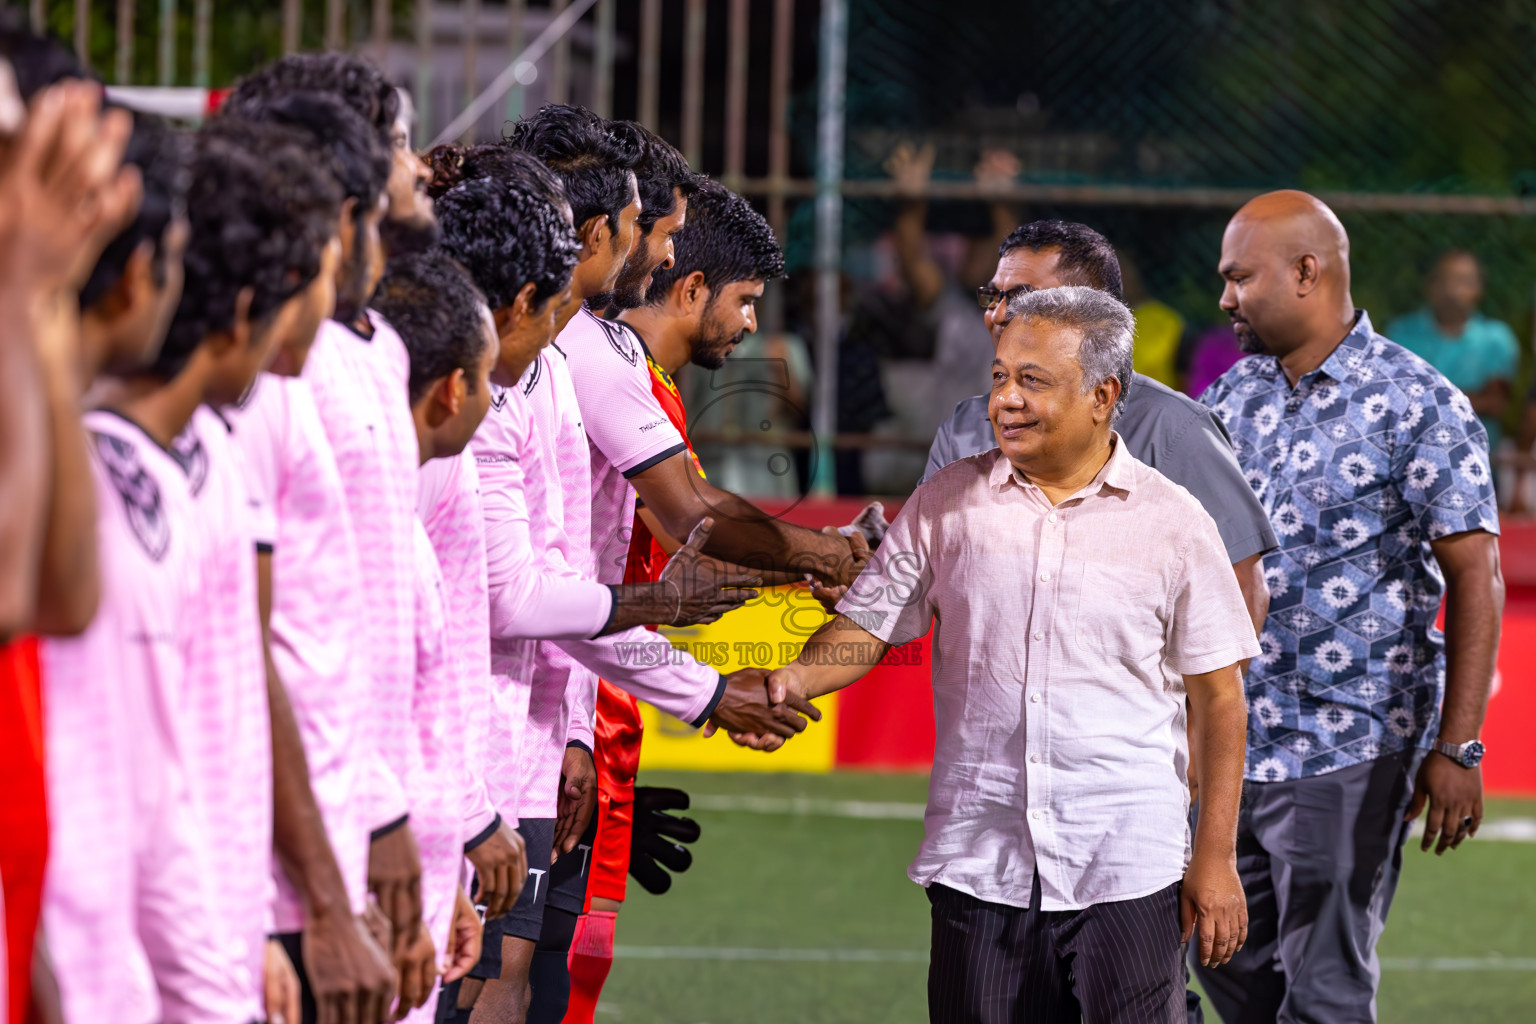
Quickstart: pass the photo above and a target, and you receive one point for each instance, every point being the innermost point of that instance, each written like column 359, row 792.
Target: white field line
column 1510, row 830
column 920, row 956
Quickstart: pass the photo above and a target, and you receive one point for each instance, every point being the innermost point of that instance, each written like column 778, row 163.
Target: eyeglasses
column 988, row 297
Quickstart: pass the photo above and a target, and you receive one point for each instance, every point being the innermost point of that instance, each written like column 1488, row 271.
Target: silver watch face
column 1472, row 754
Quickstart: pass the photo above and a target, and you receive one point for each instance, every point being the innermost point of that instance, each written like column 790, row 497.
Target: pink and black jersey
column 627, row 430
column 129, row 886
column 450, row 510
column 359, row 387
column 537, row 594
column 229, row 748
column 316, row 621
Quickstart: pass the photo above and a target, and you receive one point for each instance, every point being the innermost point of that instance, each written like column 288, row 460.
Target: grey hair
column 1106, row 324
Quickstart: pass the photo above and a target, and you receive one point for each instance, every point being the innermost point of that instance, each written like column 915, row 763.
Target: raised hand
column 996, row 170
column 67, row 193
column 910, row 168
column 704, row 588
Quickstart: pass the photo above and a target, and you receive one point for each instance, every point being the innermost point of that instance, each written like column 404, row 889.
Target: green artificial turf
column 797, row 876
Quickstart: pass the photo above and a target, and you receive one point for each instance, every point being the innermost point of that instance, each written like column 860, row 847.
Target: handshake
column 762, row 708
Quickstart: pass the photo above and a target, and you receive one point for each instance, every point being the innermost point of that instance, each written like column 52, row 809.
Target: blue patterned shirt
column 1369, row 458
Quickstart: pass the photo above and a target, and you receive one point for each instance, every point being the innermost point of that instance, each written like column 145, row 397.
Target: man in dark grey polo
column 1170, row 432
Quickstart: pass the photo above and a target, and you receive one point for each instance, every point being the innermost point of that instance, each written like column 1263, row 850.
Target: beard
column 711, row 345
column 401, row 237
column 1248, row 339
column 629, row 290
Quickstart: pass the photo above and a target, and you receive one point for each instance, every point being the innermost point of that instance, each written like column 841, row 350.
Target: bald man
column 1373, row 469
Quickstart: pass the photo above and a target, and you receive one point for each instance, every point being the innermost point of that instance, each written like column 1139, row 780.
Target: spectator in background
column 1213, row 353
column 1477, row 354
column 924, row 386
column 1159, row 328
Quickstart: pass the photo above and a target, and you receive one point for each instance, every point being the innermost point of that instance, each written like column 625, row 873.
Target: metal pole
column 335, row 14
column 602, row 60
column 516, row 10
column 167, row 54
column 83, row 32
column 37, row 14
column 202, row 41
column 518, row 69
column 736, row 96
column 693, row 83
column 123, row 69
column 778, row 111
column 424, row 55
column 383, row 29
column 829, row 232
column 471, row 9
column 293, row 19
column 650, row 63
column 560, row 61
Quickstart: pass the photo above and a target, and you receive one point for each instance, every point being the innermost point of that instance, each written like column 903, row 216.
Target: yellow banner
column 765, row 633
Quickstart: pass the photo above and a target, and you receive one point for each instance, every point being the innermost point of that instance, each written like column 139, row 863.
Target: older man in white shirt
column 1080, row 597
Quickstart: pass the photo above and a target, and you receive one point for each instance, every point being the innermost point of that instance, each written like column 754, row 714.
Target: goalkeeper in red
column 696, row 310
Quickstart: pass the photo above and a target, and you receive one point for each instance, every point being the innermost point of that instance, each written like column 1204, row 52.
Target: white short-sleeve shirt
column 1061, row 640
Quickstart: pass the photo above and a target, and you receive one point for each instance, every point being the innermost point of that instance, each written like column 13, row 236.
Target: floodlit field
column 798, row 909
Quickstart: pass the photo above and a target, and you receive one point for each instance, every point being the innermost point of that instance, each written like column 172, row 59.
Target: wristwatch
column 1468, row 754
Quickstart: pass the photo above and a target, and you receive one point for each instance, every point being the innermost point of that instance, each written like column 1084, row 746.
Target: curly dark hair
column 1085, row 257
column 261, row 214
column 725, row 239
column 452, row 164
column 36, row 61
column 591, row 158
column 352, row 153
column 662, row 173
column 162, row 156
column 506, row 236
column 354, row 81
column 431, row 300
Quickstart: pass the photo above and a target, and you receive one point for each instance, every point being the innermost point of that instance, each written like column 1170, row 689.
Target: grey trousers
column 1111, row 963
column 1319, row 858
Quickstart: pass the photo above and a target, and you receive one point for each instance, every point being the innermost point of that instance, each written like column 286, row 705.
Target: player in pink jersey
column 358, row 371
column 451, row 337
column 89, row 895
column 317, row 716
column 206, row 945
column 525, row 480
column 53, row 228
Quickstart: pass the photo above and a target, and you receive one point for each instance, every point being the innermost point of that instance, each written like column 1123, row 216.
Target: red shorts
column 617, row 757
column 23, row 818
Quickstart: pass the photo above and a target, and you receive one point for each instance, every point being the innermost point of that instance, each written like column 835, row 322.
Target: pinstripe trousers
column 1110, row 963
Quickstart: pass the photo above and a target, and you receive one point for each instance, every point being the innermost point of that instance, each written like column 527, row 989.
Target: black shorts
column 569, row 875
column 523, row 921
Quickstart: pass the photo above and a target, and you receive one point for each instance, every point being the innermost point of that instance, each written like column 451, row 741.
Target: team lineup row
column 358, row 572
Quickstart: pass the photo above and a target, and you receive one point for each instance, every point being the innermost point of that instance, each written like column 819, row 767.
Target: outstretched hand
column 751, row 719
column 853, row 563
column 705, row 588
